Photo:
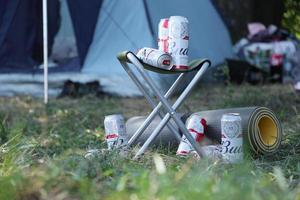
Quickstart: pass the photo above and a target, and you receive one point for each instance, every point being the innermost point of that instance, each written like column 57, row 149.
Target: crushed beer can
column 196, row 126
column 156, row 58
column 115, row 131
column 232, row 138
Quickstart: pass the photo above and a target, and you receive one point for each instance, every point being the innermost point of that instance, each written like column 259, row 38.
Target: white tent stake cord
column 45, row 38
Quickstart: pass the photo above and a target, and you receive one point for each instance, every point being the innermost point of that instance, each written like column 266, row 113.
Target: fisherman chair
column 163, row 108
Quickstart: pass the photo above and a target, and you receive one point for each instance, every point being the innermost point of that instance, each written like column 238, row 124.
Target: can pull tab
column 166, row 62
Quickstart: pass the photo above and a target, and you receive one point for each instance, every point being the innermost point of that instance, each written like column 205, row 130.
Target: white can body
column 155, row 58
column 179, row 41
column 115, row 132
column 196, row 126
column 163, row 35
column 232, row 138
column 210, row 151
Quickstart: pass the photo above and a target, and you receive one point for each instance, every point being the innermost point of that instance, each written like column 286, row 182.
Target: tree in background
column 291, row 17
column 238, row 13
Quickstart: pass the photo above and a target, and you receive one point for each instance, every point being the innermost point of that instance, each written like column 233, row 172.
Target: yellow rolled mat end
column 268, row 131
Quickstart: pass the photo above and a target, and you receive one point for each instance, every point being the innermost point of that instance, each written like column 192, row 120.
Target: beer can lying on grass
column 232, row 138
column 115, row 132
column 196, row 127
column 155, row 58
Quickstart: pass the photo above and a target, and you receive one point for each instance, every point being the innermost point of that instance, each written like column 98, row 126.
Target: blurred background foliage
column 282, row 13
column 291, row 17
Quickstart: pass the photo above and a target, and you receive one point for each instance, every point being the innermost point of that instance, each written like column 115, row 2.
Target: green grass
column 42, row 151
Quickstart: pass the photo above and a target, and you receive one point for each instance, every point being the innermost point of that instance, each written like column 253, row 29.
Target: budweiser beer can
column 196, row 127
column 155, row 58
column 179, row 41
column 115, row 132
column 232, row 138
column 163, row 35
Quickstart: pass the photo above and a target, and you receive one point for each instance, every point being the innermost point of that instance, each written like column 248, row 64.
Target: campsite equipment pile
column 162, row 107
column 270, row 50
column 226, row 130
column 261, row 130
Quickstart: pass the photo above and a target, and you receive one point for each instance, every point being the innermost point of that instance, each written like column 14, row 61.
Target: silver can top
column 114, row 116
column 231, row 117
column 181, row 18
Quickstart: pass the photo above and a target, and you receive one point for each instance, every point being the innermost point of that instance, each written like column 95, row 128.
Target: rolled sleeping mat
column 165, row 138
column 261, row 128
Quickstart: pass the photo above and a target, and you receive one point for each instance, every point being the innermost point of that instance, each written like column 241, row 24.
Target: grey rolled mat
column 165, row 138
column 261, row 129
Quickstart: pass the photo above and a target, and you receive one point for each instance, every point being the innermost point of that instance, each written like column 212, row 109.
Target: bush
column 291, row 17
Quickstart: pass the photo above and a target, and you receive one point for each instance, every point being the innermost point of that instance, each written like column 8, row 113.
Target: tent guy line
column 45, row 49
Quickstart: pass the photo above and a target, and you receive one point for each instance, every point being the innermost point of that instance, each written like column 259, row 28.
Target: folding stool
column 163, row 104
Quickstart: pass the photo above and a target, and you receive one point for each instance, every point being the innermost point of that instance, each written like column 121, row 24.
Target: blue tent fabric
column 21, row 40
column 53, row 27
column 103, row 28
column 21, row 32
column 117, row 31
column 84, row 16
column 7, row 12
column 125, row 25
column 17, row 35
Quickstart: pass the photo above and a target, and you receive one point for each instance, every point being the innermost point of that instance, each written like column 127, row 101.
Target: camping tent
column 101, row 29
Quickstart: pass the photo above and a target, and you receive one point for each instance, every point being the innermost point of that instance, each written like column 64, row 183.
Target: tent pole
column 45, row 38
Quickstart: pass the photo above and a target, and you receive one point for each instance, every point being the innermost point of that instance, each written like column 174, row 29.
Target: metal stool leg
column 154, row 112
column 171, row 109
column 156, row 109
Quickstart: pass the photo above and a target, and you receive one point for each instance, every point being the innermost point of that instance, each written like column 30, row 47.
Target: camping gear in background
column 267, row 55
column 163, row 35
column 155, row 58
column 255, row 28
column 240, row 71
column 115, row 131
column 262, row 131
column 292, row 67
column 147, row 86
column 179, row 41
column 196, row 126
column 232, row 138
column 77, row 89
column 270, row 50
